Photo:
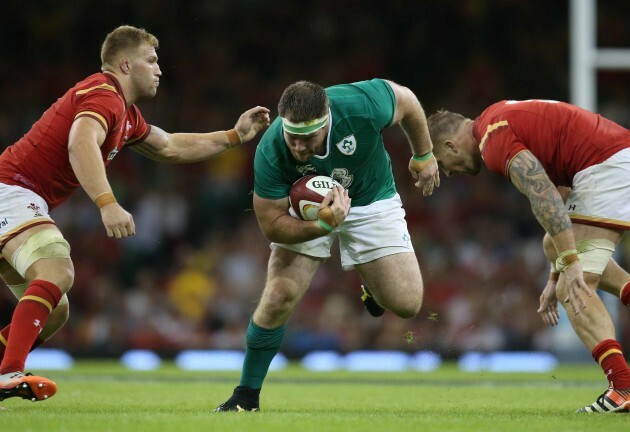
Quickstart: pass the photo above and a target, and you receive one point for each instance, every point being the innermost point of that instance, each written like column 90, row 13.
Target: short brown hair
column 303, row 101
column 443, row 125
column 123, row 38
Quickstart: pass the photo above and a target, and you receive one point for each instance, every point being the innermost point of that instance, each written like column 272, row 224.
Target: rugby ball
column 307, row 193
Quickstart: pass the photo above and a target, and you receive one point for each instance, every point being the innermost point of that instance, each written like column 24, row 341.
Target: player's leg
column 289, row 275
column 41, row 256
column 594, row 325
column 395, row 282
column 18, row 286
column 375, row 240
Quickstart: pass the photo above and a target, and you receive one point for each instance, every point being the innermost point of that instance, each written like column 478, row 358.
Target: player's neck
column 124, row 86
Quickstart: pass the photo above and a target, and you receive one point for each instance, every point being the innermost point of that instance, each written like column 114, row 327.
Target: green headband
column 304, row 128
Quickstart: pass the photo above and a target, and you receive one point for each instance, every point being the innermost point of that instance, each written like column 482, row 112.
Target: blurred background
column 192, row 275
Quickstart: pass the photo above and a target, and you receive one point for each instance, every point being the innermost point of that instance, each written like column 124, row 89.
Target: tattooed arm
column 529, row 177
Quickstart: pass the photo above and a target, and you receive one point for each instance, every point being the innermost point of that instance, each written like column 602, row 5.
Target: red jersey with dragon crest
column 39, row 161
column 565, row 138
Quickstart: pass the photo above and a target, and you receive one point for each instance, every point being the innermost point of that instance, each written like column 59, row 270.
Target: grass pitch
column 99, row 396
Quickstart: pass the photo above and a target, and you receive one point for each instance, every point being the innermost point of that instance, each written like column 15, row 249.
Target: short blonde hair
column 443, row 125
column 124, row 38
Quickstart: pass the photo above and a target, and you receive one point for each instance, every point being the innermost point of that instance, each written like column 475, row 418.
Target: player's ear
column 450, row 145
column 123, row 63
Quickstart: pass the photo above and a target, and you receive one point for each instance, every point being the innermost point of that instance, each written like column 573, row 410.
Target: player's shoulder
column 97, row 84
column 372, row 86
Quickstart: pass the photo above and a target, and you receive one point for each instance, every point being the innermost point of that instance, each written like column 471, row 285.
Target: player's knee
column 64, row 278
column 410, row 306
column 278, row 299
column 47, row 245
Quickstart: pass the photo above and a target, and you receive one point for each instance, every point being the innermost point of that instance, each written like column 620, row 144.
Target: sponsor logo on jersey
column 4, row 222
column 342, row 176
column 348, row 145
column 303, row 169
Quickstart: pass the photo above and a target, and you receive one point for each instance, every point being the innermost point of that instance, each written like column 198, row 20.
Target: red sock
column 624, row 295
column 610, row 357
column 4, row 335
column 29, row 317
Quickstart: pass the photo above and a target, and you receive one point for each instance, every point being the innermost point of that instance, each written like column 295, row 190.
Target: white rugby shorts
column 600, row 195
column 19, row 209
column 368, row 233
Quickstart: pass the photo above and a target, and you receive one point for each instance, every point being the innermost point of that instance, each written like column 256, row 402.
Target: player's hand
column 576, row 288
column 548, row 309
column 335, row 207
column 118, row 222
column 426, row 173
column 251, row 122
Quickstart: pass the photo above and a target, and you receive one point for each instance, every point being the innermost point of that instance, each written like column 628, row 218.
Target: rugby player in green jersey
column 335, row 132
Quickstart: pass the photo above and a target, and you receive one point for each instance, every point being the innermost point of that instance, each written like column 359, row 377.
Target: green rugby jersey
column 355, row 153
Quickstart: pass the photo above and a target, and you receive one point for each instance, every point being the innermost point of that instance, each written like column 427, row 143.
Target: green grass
column 98, row 396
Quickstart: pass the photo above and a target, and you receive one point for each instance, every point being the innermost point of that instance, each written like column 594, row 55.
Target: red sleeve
column 140, row 127
column 499, row 145
column 497, row 141
column 101, row 103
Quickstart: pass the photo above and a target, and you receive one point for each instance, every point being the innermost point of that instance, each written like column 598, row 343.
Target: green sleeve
column 381, row 101
column 269, row 181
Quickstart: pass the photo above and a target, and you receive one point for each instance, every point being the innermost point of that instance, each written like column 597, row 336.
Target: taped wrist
column 418, row 163
column 567, row 259
column 326, row 219
column 233, row 137
column 106, row 198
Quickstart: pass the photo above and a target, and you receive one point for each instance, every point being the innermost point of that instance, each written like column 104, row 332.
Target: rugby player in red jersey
column 69, row 147
column 540, row 145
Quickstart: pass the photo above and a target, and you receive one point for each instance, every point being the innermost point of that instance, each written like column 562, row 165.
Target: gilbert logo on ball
column 307, row 193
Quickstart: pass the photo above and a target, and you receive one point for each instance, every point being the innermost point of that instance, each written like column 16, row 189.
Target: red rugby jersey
column 564, row 138
column 39, row 160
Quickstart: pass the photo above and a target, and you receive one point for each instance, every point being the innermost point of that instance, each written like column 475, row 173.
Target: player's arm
column 412, row 119
column 84, row 141
column 280, row 227
column 167, row 147
column 528, row 176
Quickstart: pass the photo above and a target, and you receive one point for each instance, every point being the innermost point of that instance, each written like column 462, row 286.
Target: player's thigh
column 395, row 280
column 289, row 274
column 41, row 252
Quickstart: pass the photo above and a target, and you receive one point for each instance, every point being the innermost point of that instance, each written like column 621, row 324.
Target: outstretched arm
column 410, row 115
column 529, row 177
column 167, row 147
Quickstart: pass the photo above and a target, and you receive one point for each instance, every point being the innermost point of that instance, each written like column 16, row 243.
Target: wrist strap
column 325, row 225
column 424, row 157
column 566, row 259
column 103, row 199
column 234, row 138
